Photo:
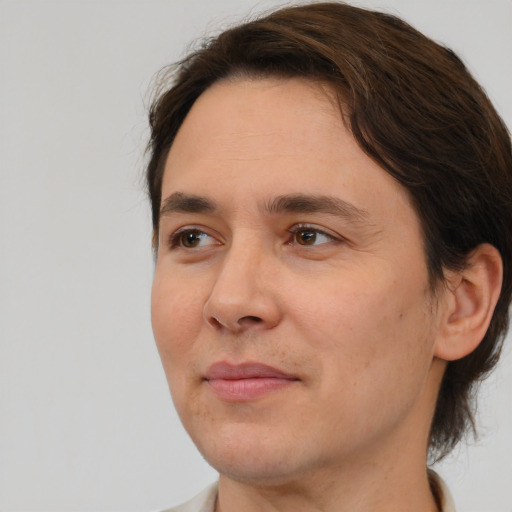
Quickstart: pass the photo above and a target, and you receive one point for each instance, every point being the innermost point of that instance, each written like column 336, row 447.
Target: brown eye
column 306, row 237
column 191, row 239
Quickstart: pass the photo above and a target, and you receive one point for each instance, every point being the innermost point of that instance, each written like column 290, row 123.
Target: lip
column 247, row 381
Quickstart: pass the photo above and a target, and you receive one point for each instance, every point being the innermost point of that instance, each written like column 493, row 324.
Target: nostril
column 254, row 319
column 214, row 322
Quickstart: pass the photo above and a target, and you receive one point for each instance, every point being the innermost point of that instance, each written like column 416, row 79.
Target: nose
column 243, row 294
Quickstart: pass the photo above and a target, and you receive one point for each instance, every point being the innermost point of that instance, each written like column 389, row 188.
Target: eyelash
column 176, row 238
column 295, row 230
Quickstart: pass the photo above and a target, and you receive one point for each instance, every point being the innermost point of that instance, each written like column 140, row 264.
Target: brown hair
column 414, row 108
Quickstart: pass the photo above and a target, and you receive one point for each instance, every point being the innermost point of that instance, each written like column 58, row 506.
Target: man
column 332, row 224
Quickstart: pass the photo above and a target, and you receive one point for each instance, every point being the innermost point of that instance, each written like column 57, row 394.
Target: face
column 291, row 305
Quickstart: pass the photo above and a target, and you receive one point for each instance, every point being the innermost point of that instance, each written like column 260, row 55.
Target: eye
column 191, row 239
column 309, row 236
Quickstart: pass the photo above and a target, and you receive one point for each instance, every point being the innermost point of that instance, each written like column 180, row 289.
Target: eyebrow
column 303, row 203
column 186, row 203
column 180, row 202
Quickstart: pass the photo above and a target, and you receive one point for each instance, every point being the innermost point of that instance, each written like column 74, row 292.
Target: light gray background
column 86, row 421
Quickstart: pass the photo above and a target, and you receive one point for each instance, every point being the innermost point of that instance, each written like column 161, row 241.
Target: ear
column 468, row 303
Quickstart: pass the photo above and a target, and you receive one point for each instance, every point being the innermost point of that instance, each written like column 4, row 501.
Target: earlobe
column 468, row 303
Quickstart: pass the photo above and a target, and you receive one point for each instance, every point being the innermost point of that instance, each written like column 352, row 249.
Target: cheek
column 369, row 327
column 176, row 316
column 373, row 347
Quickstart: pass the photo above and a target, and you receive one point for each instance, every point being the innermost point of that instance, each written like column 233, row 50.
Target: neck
column 358, row 488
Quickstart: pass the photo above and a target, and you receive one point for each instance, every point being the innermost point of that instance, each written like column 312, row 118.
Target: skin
column 340, row 302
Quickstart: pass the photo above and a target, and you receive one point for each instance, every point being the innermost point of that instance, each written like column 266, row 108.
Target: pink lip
column 245, row 382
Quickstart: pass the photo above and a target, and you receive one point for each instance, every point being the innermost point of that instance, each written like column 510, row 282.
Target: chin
column 251, row 457
column 262, row 471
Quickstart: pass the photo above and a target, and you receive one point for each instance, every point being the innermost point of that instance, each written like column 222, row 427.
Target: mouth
column 247, row 381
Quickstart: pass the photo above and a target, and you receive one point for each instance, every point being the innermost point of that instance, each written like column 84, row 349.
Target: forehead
column 237, row 117
column 255, row 139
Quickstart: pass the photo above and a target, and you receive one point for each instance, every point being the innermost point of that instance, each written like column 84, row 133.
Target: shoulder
column 203, row 502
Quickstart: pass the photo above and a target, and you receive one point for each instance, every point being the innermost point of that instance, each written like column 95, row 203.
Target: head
column 414, row 110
